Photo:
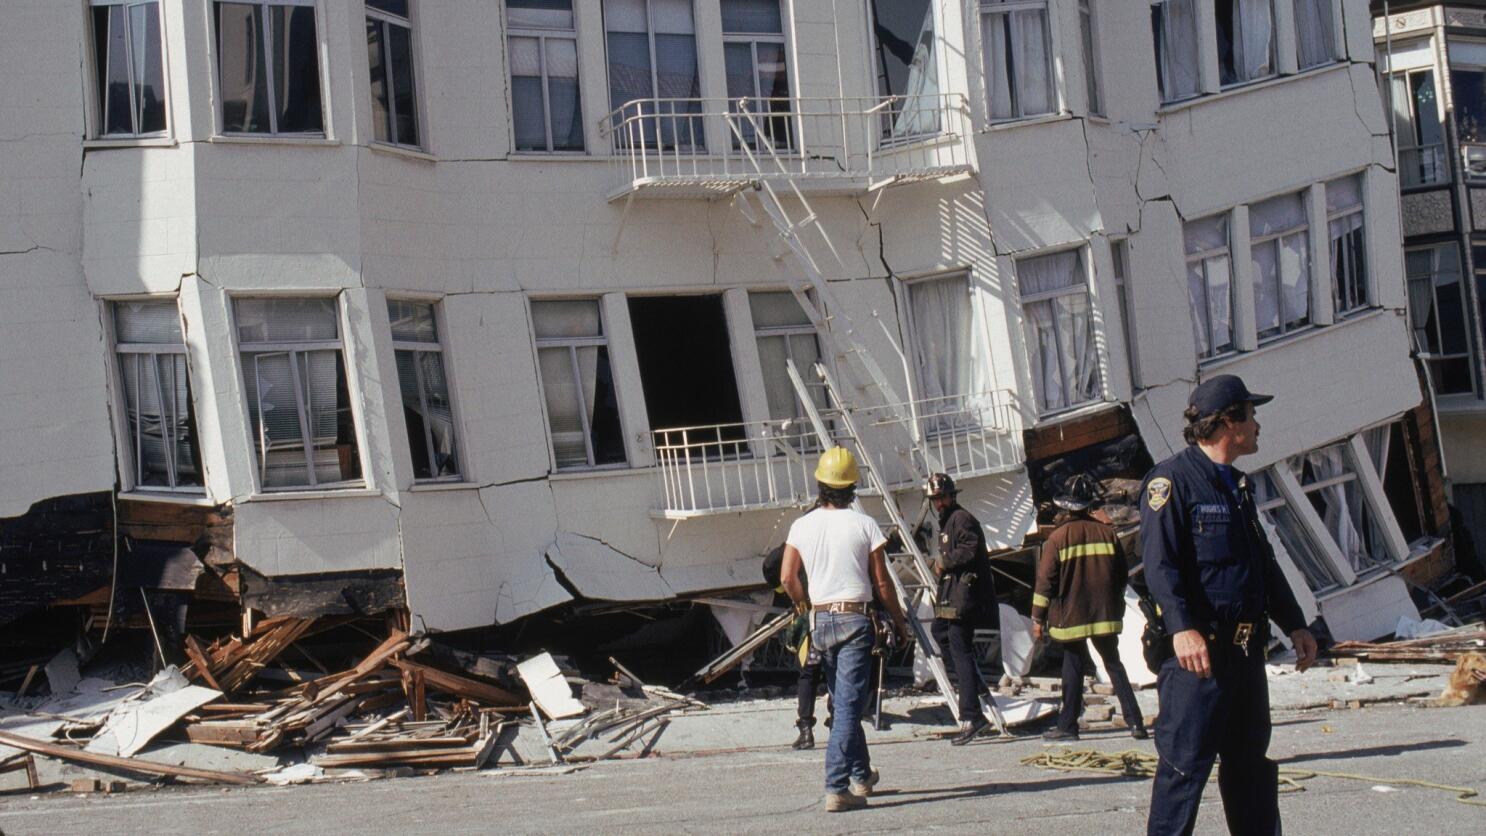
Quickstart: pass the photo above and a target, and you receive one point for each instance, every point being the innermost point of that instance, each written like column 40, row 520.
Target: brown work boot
column 806, row 740
column 841, row 802
column 862, row 789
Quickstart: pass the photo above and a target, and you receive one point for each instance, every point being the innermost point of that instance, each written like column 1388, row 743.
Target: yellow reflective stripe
column 1085, row 550
column 1039, row 600
column 1083, row 631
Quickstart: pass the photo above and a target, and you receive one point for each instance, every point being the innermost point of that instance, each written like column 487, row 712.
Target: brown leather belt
column 857, row 607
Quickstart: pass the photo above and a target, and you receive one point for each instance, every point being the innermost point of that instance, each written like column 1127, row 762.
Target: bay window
column 268, row 67
column 155, row 387
column 129, row 68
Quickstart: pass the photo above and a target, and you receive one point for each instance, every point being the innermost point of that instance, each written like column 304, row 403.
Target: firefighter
column 1213, row 575
column 1079, row 600
column 966, row 599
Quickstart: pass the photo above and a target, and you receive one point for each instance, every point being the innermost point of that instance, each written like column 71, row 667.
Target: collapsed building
column 481, row 309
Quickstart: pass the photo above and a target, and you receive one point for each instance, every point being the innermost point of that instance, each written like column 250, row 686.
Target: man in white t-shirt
column 843, row 554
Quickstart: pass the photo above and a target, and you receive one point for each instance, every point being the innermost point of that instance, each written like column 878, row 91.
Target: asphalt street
column 926, row 785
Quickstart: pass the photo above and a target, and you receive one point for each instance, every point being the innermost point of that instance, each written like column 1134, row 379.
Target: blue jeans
column 844, row 641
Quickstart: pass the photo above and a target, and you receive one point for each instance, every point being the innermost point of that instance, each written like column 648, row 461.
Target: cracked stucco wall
column 482, row 229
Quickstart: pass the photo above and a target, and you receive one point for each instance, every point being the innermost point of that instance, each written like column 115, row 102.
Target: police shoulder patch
column 1157, row 493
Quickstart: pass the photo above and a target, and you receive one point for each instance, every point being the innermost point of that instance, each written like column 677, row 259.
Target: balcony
column 1425, row 165
column 713, row 147
column 731, row 468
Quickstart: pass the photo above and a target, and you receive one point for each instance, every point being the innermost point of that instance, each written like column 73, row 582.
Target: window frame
column 984, row 10
column 1084, row 288
column 96, row 120
column 129, row 452
column 321, row 69
column 572, row 344
column 1430, row 358
column 1276, row 239
column 887, row 134
column 1163, row 54
column 695, row 128
column 1093, row 58
column 1338, row 35
column 1469, row 149
column 438, row 347
column 415, row 55
column 542, row 36
column 1119, row 259
column 1439, row 150
column 292, row 348
column 785, row 332
column 1274, row 50
column 780, row 39
column 1303, row 530
column 1353, row 472
column 1204, row 257
column 1365, row 300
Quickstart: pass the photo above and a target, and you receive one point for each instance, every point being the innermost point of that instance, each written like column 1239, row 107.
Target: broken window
column 1439, row 315
column 653, row 69
column 1090, row 40
column 1018, row 57
column 1319, row 574
column 577, row 383
column 546, row 107
column 160, row 421
column 1417, row 128
column 905, row 62
column 424, row 384
column 1178, row 61
column 129, row 67
column 1210, row 284
column 389, row 54
column 1315, row 32
column 686, row 363
column 1119, row 254
column 299, row 400
column 783, row 332
column 1348, row 244
column 1279, row 243
column 1059, row 330
column 268, row 67
column 1245, row 40
column 1468, row 101
column 754, row 53
column 1329, row 478
column 1389, row 453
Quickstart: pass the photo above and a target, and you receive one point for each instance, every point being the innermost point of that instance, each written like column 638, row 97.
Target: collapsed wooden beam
column 68, row 753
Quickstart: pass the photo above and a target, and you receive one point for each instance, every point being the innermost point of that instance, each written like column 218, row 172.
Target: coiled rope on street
column 1132, row 763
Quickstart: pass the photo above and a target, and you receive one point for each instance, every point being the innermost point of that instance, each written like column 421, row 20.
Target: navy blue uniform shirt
column 1207, row 560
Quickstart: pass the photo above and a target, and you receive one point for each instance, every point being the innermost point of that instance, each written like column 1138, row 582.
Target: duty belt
column 856, row 607
column 1240, row 633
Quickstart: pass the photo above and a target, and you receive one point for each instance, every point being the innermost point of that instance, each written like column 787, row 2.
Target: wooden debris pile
column 1446, row 646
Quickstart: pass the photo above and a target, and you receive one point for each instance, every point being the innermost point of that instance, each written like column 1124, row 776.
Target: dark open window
column 686, row 362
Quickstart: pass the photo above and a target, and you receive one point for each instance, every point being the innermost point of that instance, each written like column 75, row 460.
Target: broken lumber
column 459, row 686
column 66, row 753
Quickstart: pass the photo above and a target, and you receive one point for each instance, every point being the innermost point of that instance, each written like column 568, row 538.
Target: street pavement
column 926, row 785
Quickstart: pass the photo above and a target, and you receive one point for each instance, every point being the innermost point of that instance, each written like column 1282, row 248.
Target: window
column 1210, row 284
column 159, row 419
column 1174, row 29
column 1416, row 125
column 1245, row 40
column 546, row 108
column 577, row 383
column 754, row 54
column 1328, row 477
column 1388, row 454
column 268, row 67
column 784, row 332
column 905, row 62
column 939, row 326
column 1348, row 244
column 1018, row 57
column 1119, row 254
column 686, row 364
column 1280, row 245
column 1315, row 33
column 1091, row 56
column 425, row 389
column 1059, row 330
column 128, row 60
column 299, row 401
column 389, row 54
column 653, row 69
column 1468, row 101
column 1438, row 309
column 1319, row 574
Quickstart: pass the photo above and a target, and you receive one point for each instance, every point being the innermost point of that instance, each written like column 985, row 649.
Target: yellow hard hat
column 837, row 468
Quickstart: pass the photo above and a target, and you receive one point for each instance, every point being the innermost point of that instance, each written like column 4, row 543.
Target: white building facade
column 433, row 287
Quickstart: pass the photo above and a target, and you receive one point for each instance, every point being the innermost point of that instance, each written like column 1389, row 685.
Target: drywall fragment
column 548, row 687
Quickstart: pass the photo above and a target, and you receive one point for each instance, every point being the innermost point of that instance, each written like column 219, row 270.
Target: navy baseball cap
column 1218, row 393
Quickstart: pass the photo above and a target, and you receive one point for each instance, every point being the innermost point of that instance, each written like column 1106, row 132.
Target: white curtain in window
column 1295, row 276
column 1181, row 76
column 1016, row 57
column 941, row 336
column 1315, row 35
column 1376, row 441
column 1341, row 506
column 1256, row 30
column 1059, row 330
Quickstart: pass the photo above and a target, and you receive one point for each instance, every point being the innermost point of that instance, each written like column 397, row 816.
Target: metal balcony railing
column 727, row 468
column 965, row 435
column 1423, row 166
column 702, row 146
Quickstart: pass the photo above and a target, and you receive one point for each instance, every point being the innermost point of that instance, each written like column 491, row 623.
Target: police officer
column 1213, row 575
column 966, row 599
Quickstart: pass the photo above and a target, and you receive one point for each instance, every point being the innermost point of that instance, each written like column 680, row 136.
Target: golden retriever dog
column 1467, row 682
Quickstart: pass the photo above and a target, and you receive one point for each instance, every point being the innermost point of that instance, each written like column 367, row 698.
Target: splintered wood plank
column 136, row 765
column 197, row 654
column 459, row 686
